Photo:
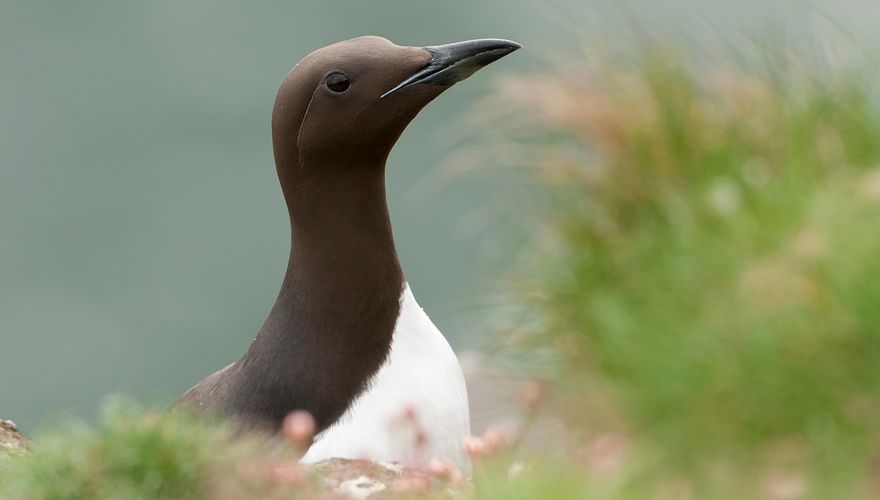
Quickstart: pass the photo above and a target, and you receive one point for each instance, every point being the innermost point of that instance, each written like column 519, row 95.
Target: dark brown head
column 341, row 109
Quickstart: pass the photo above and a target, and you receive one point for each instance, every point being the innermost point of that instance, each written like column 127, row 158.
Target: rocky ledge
column 11, row 439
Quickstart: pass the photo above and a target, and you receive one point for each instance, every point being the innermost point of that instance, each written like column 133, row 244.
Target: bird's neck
column 332, row 323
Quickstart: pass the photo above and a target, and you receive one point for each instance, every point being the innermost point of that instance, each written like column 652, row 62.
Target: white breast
column 416, row 407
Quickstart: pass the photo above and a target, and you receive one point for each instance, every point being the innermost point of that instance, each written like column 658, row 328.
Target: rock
column 354, row 479
column 11, row 439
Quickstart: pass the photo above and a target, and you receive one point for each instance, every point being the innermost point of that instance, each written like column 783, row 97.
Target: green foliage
column 133, row 454
column 714, row 260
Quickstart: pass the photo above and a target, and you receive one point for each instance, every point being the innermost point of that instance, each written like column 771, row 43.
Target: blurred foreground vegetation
column 710, row 274
column 706, row 275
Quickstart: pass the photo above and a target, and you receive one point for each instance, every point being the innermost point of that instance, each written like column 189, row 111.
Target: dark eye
column 337, row 82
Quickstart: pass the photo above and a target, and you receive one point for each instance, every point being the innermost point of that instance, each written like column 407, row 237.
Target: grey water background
column 142, row 232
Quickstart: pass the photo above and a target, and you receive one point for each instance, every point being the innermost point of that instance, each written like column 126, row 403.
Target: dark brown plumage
column 336, row 117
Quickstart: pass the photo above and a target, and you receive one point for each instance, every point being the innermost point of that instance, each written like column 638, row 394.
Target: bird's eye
column 337, row 82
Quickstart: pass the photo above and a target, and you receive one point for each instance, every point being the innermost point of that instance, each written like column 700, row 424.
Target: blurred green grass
column 135, row 453
column 709, row 274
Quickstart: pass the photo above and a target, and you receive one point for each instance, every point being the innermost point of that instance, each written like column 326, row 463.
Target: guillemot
column 346, row 340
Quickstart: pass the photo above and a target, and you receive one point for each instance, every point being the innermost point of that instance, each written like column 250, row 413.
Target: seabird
column 346, row 340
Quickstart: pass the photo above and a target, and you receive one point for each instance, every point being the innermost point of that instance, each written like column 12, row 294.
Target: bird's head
column 345, row 105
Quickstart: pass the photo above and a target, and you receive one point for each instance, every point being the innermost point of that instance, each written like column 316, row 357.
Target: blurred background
column 143, row 236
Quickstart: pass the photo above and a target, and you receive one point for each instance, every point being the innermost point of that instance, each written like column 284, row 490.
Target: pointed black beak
column 456, row 61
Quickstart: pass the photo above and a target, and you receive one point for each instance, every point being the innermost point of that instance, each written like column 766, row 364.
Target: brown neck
column 331, row 326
